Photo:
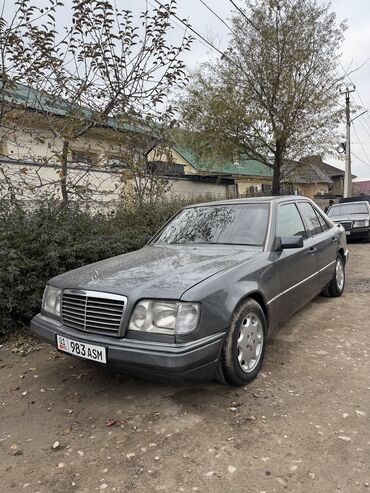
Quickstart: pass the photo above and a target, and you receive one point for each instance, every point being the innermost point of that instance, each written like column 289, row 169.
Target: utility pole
column 348, row 175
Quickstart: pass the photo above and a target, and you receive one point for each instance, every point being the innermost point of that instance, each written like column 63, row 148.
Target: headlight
column 51, row 300
column 165, row 317
column 363, row 223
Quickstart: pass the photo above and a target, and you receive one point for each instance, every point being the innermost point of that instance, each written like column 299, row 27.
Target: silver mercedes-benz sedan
column 202, row 297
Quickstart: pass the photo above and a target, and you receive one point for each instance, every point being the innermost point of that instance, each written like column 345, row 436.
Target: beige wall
column 33, row 141
column 33, row 182
column 92, row 186
column 245, row 184
column 190, row 189
column 311, row 189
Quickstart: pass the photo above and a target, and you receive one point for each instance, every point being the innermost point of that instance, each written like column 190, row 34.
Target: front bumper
column 193, row 361
column 359, row 233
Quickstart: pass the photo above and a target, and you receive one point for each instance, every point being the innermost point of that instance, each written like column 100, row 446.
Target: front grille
column 347, row 225
column 92, row 311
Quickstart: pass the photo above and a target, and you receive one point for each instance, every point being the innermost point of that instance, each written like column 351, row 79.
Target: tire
column 244, row 345
column 336, row 286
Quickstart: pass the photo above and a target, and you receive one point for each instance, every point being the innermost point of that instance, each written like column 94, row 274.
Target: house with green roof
column 34, row 122
column 245, row 176
column 29, row 142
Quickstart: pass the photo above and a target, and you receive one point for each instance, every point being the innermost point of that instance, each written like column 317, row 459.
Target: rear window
column 349, row 208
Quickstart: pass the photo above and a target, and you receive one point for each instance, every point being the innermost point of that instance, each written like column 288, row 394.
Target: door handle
column 312, row 250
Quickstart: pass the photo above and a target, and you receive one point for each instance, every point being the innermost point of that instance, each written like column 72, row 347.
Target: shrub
column 38, row 244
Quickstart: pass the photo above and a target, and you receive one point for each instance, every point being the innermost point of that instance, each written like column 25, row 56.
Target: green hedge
column 39, row 244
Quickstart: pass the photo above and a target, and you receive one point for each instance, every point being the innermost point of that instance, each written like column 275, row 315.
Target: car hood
column 349, row 217
column 156, row 270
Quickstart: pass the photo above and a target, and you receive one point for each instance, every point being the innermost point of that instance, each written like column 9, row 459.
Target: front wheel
column 244, row 345
column 336, row 286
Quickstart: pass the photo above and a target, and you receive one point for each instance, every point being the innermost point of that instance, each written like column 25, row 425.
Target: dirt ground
column 302, row 426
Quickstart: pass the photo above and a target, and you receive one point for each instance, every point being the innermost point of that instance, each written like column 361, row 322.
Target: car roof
column 351, row 203
column 251, row 200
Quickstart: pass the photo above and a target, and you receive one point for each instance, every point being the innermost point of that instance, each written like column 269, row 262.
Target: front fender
column 221, row 294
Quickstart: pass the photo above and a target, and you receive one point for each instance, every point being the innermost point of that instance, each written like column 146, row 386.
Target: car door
column 298, row 267
column 326, row 241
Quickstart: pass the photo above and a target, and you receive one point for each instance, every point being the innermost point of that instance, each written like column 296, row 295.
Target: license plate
column 81, row 349
column 348, row 233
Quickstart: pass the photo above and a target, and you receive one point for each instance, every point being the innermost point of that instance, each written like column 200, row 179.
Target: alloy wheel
column 250, row 342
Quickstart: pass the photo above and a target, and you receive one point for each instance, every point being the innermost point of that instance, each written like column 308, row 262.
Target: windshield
column 237, row 224
column 349, row 208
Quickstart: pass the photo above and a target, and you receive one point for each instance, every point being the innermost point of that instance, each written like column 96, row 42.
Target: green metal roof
column 246, row 167
column 39, row 100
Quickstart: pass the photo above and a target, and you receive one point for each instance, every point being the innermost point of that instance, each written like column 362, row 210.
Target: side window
column 289, row 221
column 310, row 217
column 324, row 225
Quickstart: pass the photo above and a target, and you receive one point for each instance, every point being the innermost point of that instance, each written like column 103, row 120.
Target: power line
column 363, row 105
column 365, row 128
column 216, row 15
column 366, row 121
column 255, row 27
column 361, row 123
column 359, row 141
column 202, row 38
column 245, row 16
column 349, row 78
column 323, row 91
column 205, row 40
column 361, row 160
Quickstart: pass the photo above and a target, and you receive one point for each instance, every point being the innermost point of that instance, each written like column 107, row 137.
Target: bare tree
column 102, row 72
column 26, row 38
column 273, row 96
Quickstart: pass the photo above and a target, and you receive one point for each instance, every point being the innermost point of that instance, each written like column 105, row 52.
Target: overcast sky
column 356, row 50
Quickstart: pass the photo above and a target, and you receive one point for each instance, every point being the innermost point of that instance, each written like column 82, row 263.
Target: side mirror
column 285, row 242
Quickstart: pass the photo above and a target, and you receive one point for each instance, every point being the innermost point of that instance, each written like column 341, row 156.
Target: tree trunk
column 64, row 171
column 278, row 161
column 276, row 179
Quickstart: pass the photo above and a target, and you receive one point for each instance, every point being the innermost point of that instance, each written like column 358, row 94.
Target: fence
column 101, row 189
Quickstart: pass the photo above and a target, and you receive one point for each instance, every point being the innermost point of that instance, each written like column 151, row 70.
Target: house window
column 165, row 169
